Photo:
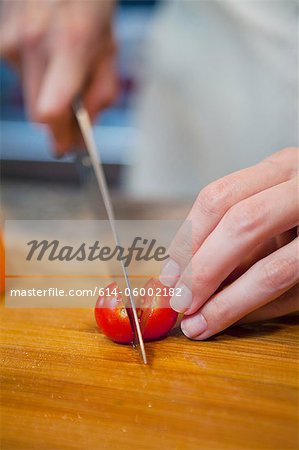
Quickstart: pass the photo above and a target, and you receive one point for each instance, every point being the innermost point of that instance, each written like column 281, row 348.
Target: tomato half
column 154, row 314
column 111, row 316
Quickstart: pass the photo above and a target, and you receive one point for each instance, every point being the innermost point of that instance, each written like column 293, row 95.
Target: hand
column 245, row 255
column 61, row 48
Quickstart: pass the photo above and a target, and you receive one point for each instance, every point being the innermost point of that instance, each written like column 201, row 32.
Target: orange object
column 2, row 266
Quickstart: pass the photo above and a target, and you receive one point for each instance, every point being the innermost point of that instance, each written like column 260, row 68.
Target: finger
column 11, row 27
column 287, row 237
column 33, row 68
column 62, row 133
column 23, row 25
column 217, row 198
column 100, row 92
column 287, row 303
column 63, row 82
column 262, row 283
column 35, row 21
column 103, row 87
column 243, row 227
column 61, row 129
column 64, row 79
column 261, row 251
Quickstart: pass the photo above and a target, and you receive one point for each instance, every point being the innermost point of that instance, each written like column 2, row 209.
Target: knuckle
column 216, row 198
column 32, row 37
column 200, row 276
column 280, row 273
column 76, row 36
column 222, row 308
column 292, row 152
column 181, row 250
column 245, row 217
column 181, row 247
column 287, row 155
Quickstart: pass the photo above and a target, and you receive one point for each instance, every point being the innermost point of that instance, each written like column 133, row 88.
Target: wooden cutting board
column 65, row 386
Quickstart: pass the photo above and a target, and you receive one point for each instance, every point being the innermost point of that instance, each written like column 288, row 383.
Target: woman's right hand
column 61, row 48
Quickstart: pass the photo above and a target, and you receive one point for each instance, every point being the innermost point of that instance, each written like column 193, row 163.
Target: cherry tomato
column 111, row 316
column 155, row 316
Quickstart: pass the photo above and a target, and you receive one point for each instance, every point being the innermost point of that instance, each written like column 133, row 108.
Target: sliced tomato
column 156, row 316
column 111, row 316
column 154, row 313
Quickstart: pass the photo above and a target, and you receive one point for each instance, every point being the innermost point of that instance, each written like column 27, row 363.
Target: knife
column 88, row 137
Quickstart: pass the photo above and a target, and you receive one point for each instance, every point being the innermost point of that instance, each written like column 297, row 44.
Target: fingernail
column 194, row 326
column 170, row 273
column 182, row 299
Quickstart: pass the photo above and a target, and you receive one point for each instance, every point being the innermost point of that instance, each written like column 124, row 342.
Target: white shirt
column 220, row 92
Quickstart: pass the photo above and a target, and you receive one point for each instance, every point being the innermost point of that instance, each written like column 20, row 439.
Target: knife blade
column 95, row 159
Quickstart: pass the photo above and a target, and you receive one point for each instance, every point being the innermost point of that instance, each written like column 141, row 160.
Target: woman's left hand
column 245, row 256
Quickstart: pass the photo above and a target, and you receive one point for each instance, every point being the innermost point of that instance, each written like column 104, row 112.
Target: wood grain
column 65, row 386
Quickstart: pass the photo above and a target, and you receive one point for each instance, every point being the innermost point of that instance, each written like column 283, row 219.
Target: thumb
column 63, row 80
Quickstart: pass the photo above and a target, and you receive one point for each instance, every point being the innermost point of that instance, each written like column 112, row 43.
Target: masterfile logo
column 141, row 250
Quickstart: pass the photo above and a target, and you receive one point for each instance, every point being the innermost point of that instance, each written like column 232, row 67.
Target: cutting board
column 66, row 386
